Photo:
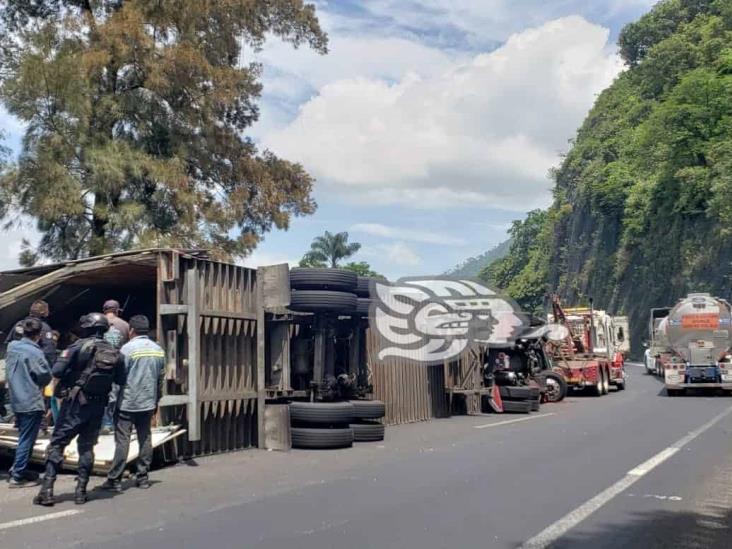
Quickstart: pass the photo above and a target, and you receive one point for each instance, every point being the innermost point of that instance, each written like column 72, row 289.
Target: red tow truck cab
column 593, row 356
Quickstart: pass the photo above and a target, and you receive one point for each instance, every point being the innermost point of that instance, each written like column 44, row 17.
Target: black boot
column 80, row 497
column 45, row 496
column 111, row 485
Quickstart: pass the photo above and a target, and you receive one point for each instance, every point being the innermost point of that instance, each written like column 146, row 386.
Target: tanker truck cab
column 698, row 330
column 659, row 351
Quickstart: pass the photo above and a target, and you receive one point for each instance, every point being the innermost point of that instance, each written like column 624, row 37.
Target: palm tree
column 327, row 250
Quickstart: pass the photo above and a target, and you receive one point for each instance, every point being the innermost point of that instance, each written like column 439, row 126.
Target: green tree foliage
column 328, row 250
column 642, row 210
column 135, row 112
column 638, row 38
column 362, row 268
column 516, row 273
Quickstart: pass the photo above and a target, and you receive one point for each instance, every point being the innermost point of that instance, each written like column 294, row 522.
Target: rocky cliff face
column 643, row 200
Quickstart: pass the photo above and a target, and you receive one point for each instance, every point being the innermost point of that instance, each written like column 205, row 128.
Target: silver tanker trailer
column 699, row 332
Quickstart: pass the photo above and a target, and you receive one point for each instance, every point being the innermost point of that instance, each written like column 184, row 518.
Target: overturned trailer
column 204, row 313
column 238, row 349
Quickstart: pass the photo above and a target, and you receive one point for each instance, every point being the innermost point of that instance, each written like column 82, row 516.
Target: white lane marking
column 652, row 463
column 508, row 421
column 39, row 518
column 553, row 532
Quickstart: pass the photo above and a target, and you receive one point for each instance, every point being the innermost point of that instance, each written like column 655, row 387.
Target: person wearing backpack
column 85, row 373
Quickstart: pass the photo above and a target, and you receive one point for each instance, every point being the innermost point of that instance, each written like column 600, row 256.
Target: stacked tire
column 321, row 425
column 520, row 399
column 326, row 425
column 367, row 426
column 323, row 290
column 363, row 295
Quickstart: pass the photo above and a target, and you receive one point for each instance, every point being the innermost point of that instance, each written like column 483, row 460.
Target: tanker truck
column 699, row 333
column 658, row 353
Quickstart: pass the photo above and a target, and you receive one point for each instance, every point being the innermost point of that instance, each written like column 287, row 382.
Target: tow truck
column 589, row 358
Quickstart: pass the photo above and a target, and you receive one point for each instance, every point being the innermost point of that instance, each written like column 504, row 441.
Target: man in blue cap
column 28, row 372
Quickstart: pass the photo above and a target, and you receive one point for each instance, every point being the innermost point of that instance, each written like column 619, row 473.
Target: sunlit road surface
column 633, row 469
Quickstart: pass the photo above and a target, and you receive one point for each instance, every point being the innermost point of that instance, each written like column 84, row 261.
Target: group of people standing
column 113, row 357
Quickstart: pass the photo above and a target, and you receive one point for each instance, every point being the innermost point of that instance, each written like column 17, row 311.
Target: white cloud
column 481, row 22
column 427, row 237
column 259, row 258
column 349, row 57
column 292, row 77
column 10, row 124
column 12, row 239
column 11, row 249
column 398, row 254
column 481, row 133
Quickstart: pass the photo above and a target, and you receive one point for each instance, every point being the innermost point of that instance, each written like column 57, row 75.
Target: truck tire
column 363, row 286
column 318, row 439
column 518, row 393
column 555, row 386
column 316, row 301
column 307, row 278
column 368, row 409
column 598, row 388
column 368, row 431
column 363, row 305
column 322, row 413
column 517, row 406
column 605, row 381
column 621, row 384
column 535, row 405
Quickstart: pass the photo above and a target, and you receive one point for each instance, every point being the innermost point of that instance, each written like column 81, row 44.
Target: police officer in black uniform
column 86, row 371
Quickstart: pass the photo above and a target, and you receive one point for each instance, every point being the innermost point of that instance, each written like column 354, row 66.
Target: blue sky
column 431, row 124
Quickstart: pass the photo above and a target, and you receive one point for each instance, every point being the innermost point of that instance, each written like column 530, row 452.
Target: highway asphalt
column 632, row 469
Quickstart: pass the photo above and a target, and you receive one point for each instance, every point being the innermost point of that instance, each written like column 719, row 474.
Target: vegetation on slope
column 472, row 266
column 642, row 209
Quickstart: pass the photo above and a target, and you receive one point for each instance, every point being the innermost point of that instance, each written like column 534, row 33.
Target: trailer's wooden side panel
column 411, row 391
column 208, row 313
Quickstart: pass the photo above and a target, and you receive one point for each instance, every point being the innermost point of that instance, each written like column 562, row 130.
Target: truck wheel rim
column 552, row 390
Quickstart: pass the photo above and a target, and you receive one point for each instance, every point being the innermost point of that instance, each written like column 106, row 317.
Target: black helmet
column 94, row 322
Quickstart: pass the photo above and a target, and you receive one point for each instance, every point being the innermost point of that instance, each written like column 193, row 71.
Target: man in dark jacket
column 28, row 373
column 85, row 371
column 47, row 342
column 145, row 365
column 38, row 310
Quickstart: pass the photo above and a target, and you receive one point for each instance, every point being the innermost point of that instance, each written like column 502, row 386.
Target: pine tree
column 135, row 112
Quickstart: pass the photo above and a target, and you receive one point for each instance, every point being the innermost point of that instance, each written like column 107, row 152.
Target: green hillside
column 472, row 266
column 642, row 212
